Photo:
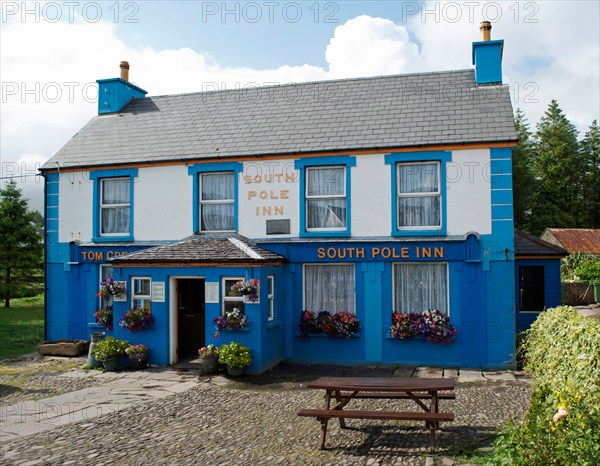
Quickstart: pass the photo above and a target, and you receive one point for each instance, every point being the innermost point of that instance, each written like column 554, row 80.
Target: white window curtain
column 326, row 197
column 329, row 288
column 217, row 201
column 419, row 202
column 418, row 287
column 114, row 205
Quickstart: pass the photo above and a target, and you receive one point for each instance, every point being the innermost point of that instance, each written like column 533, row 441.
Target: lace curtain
column 329, row 288
column 217, row 201
column 418, row 287
column 414, row 208
column 326, row 198
column 115, row 205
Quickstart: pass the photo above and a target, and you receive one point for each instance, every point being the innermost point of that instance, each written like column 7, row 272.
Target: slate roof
column 381, row 112
column 203, row 250
column 530, row 245
column 583, row 240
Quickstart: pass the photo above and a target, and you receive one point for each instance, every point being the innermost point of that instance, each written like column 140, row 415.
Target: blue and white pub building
column 369, row 195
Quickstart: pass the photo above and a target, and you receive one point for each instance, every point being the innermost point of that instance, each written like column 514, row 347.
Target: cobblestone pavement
column 253, row 420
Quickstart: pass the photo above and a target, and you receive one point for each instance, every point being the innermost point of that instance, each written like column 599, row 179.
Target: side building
column 369, row 195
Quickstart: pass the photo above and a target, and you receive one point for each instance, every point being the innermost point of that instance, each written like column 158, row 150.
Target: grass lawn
column 21, row 326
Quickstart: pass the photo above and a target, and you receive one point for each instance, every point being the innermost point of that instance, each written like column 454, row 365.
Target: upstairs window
column 419, row 199
column 115, row 206
column 326, row 206
column 217, row 201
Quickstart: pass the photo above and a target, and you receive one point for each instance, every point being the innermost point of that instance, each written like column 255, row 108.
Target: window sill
column 326, row 335
column 418, row 337
column 227, row 330
column 109, row 239
column 273, row 324
column 325, row 234
column 437, row 232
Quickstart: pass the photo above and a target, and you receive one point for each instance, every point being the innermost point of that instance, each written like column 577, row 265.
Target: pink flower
column 562, row 412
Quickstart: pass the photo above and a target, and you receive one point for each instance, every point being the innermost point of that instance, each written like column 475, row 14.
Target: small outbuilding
column 537, row 275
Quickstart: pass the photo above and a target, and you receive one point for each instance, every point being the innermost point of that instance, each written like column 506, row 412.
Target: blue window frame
column 418, row 192
column 113, row 204
column 325, row 199
column 215, row 202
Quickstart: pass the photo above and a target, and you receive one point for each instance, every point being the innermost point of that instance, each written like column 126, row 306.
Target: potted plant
column 138, row 318
column 105, row 317
column 236, row 356
column 342, row 324
column 138, row 356
column 109, row 350
column 209, row 358
column 232, row 320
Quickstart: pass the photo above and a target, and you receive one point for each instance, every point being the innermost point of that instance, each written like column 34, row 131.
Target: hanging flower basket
column 110, row 287
column 248, row 289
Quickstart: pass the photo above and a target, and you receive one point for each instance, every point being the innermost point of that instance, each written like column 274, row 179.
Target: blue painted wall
column 487, row 58
column 552, row 289
column 114, row 93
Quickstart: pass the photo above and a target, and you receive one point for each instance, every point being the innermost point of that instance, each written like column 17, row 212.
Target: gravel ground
column 257, row 424
column 35, row 380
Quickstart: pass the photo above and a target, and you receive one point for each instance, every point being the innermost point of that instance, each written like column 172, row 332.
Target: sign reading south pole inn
column 381, row 252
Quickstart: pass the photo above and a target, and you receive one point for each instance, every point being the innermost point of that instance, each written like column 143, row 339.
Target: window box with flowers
column 431, row 325
column 342, row 324
column 105, row 317
column 136, row 319
column 234, row 320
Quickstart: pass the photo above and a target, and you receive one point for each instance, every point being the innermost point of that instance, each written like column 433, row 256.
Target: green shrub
column 110, row 348
column 580, row 267
column 235, row 355
column 562, row 352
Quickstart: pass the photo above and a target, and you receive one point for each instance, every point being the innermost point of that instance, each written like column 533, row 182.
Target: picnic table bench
column 345, row 389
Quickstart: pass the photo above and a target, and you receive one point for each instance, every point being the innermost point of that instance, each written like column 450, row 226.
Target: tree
column 523, row 180
column 558, row 167
column 590, row 151
column 20, row 243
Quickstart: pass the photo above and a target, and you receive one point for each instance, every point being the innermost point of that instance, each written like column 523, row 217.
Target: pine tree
column 559, row 169
column 20, row 243
column 523, row 180
column 590, row 151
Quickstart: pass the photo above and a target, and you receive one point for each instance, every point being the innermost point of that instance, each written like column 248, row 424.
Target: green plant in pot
column 236, row 356
column 109, row 351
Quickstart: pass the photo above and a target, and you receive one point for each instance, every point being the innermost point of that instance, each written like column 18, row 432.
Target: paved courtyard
column 176, row 416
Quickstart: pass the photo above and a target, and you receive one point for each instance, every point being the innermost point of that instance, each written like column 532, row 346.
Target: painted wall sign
column 379, row 252
column 158, row 292
column 99, row 256
column 265, row 190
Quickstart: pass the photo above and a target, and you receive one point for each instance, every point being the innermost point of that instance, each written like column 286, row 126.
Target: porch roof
column 200, row 250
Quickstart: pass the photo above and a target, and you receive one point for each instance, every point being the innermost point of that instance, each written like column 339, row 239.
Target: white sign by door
column 211, row 292
column 158, row 292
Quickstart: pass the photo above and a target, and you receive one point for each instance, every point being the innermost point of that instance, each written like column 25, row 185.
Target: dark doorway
column 190, row 316
column 531, row 288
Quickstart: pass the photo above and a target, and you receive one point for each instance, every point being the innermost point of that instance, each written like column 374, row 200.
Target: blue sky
column 52, row 52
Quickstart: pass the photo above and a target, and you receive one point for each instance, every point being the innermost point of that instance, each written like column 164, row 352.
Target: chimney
column 114, row 93
column 485, row 27
column 487, row 57
column 125, row 70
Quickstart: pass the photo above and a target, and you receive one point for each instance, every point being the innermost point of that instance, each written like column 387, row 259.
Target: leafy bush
column 110, row 348
column 235, row 355
column 562, row 426
column 580, row 267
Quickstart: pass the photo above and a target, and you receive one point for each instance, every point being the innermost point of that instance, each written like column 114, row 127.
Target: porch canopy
column 203, row 251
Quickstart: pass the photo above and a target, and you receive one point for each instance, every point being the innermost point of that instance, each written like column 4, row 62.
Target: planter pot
column 91, row 360
column 209, row 365
column 111, row 364
column 138, row 360
column 235, row 371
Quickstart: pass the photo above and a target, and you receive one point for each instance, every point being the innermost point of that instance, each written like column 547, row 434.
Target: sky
column 51, row 54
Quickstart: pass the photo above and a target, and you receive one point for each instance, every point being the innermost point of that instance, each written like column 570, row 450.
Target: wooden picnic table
column 420, row 390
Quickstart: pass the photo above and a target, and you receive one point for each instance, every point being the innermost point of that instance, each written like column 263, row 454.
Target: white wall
column 469, row 198
column 75, row 200
column 163, row 203
column 371, row 200
column 163, row 199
